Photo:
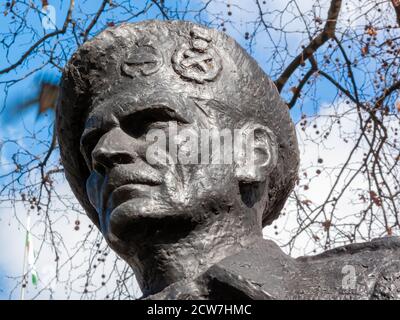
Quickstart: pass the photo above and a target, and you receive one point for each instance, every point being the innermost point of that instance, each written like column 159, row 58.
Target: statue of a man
column 191, row 226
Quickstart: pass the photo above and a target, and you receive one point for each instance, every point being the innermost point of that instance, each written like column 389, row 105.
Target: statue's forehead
column 180, row 67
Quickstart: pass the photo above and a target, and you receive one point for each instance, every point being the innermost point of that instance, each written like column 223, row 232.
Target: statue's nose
column 113, row 148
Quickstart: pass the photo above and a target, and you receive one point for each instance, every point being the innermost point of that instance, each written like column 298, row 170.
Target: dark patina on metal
column 195, row 231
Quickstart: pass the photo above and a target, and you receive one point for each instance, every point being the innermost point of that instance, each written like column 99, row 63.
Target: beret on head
column 181, row 60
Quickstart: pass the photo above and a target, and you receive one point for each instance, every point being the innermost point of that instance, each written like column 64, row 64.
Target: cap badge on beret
column 197, row 60
column 144, row 59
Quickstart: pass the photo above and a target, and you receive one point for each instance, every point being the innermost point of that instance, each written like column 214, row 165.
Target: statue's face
column 140, row 188
column 153, row 74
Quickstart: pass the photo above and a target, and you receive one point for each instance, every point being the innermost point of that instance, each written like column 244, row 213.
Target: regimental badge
column 144, row 59
column 197, row 60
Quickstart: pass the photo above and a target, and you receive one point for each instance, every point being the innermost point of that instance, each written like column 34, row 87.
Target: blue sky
column 3, row 285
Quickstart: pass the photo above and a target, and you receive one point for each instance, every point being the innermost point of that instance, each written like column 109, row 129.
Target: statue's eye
column 139, row 123
column 88, row 143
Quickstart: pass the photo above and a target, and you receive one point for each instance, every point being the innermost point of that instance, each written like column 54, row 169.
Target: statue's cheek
column 94, row 190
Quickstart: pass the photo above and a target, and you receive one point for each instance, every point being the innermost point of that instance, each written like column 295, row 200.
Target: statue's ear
column 256, row 153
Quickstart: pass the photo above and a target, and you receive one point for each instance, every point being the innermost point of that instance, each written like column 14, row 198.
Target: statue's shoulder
column 380, row 246
column 259, row 271
column 255, row 273
column 369, row 270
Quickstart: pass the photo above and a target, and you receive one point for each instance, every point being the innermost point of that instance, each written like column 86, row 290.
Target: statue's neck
column 163, row 264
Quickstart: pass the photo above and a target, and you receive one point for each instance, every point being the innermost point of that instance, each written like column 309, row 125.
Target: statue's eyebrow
column 95, row 128
column 137, row 123
column 97, row 125
column 162, row 110
column 91, row 133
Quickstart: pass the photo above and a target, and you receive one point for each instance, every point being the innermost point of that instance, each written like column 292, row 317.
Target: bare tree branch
column 327, row 33
column 42, row 40
column 95, row 19
column 396, row 6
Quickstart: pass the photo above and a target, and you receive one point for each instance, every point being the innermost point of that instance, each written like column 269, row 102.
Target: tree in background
column 335, row 63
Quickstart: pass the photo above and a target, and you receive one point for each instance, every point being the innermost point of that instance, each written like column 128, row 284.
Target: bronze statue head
column 168, row 218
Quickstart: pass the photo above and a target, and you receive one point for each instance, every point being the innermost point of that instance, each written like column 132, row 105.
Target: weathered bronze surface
column 195, row 230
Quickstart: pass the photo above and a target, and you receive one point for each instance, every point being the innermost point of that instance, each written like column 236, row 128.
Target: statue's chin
column 146, row 218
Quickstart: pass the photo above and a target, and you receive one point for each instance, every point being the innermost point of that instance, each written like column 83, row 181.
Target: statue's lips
column 130, row 205
column 125, row 183
column 128, row 192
